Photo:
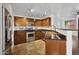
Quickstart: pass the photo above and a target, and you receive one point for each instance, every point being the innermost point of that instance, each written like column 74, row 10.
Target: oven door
column 30, row 36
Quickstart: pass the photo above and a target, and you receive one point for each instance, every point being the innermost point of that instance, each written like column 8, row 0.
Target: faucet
column 53, row 26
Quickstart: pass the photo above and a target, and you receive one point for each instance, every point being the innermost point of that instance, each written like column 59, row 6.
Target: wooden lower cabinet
column 19, row 37
column 55, row 47
column 62, row 47
column 38, row 35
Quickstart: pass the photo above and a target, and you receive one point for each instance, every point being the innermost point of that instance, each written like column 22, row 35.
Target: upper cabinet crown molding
column 33, row 17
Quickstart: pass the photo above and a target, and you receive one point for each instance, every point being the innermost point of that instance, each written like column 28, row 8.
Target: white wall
column 0, row 28
column 65, row 12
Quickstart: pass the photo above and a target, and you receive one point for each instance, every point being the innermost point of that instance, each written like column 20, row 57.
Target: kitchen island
column 55, row 47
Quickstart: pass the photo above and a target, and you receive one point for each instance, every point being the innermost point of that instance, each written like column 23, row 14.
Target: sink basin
column 61, row 36
column 55, row 35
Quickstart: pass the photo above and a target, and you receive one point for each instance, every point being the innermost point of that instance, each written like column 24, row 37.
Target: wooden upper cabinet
column 30, row 22
column 43, row 22
column 38, row 22
column 20, row 21
column 46, row 21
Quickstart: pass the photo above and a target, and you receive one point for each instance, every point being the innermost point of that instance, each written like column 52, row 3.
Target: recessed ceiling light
column 32, row 10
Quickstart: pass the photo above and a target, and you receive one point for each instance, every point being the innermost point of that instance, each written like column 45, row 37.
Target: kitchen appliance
column 30, row 36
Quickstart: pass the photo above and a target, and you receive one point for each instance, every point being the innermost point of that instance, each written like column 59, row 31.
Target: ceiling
column 45, row 9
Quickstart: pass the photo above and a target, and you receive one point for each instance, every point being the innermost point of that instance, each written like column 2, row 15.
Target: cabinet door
column 20, row 21
column 38, row 22
column 19, row 37
column 30, row 22
column 46, row 22
column 38, row 35
column 52, row 47
column 62, row 47
column 55, row 47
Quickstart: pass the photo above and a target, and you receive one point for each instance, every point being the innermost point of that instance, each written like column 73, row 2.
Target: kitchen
column 46, row 22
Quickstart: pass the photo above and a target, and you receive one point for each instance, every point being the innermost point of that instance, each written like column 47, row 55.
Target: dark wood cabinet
column 19, row 37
